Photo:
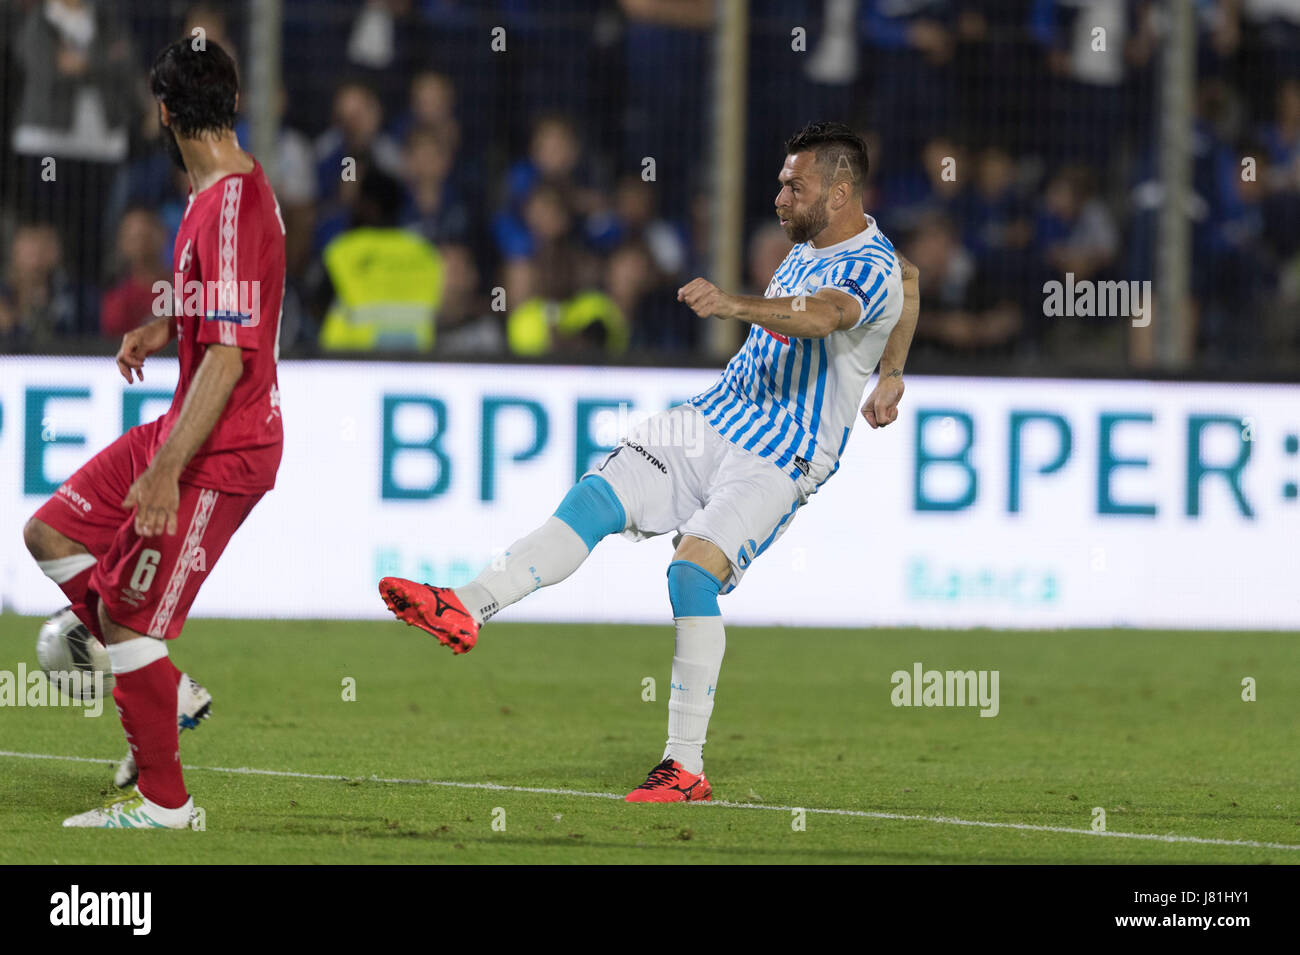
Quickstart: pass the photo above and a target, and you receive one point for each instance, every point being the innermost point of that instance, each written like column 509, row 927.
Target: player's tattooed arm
column 802, row 316
column 881, row 406
column 155, row 496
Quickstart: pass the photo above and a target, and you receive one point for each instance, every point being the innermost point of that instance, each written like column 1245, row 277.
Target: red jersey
column 229, row 289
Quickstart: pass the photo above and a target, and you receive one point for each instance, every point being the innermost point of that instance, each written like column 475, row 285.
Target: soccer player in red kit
column 130, row 536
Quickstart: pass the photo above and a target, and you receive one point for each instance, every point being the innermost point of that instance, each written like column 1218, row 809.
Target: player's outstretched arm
column 881, row 407
column 155, row 495
column 803, row 316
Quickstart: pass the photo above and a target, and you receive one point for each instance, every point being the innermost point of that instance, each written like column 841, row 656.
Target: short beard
column 173, row 149
column 801, row 229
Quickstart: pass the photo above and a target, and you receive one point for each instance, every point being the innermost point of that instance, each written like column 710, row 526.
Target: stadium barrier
column 1001, row 503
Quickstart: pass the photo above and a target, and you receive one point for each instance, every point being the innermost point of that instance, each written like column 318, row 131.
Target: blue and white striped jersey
column 795, row 400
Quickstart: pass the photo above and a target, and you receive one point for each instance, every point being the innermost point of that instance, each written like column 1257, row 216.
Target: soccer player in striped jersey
column 770, row 433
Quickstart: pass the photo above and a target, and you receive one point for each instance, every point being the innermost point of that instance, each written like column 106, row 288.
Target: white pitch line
column 855, row 813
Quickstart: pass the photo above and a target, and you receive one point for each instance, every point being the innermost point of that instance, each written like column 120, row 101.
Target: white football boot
column 193, row 703
column 133, row 812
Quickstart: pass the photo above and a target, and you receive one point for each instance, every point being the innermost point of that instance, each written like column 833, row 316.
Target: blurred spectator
column 1076, row 235
column 591, row 327
column 140, row 263
column 76, row 60
column 432, row 108
column 1074, row 231
column 556, row 265
column 913, row 190
column 554, row 305
column 1242, row 267
column 587, row 327
column 912, row 82
column 632, row 216
column 382, row 284
column 658, row 325
column 961, row 317
column 357, row 131
column 665, row 56
column 467, row 327
column 1270, row 32
column 768, row 247
column 295, row 186
column 1282, row 136
column 386, row 44
column 1091, row 46
column 554, row 154
column 39, row 304
column 994, row 56
column 997, row 226
column 434, row 207
column 1281, row 140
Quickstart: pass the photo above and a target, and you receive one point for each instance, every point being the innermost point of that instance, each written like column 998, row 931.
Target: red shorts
column 147, row 584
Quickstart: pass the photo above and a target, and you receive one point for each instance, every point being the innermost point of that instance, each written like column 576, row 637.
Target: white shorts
column 674, row 473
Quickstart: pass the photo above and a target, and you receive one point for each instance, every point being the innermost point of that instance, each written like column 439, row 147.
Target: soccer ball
column 65, row 647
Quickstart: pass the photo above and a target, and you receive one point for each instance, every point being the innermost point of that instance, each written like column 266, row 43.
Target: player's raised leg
column 695, row 578
column 65, row 562
column 590, row 511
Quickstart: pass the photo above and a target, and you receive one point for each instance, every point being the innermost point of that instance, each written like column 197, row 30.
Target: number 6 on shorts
column 145, row 568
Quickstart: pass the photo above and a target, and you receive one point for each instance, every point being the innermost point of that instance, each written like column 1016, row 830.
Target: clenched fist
column 882, row 404
column 704, row 298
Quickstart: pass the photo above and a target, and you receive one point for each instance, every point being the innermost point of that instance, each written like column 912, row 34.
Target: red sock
column 84, row 603
column 146, row 701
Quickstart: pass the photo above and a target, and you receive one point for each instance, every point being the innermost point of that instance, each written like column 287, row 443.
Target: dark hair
column 834, row 145
column 199, row 87
column 379, row 200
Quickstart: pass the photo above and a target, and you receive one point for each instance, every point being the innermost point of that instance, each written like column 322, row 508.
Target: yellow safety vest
column 530, row 326
column 588, row 308
column 387, row 289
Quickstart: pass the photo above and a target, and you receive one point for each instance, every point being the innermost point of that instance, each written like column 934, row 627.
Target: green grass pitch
column 1151, row 727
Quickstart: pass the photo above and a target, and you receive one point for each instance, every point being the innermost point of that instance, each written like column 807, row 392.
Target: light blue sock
column 697, row 660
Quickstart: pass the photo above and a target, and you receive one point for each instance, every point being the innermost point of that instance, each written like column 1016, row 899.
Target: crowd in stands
column 543, row 190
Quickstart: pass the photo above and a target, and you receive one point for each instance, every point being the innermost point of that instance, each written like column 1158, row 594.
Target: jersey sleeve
column 229, row 249
column 865, row 280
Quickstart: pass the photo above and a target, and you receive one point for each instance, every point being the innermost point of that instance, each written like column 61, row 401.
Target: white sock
column 62, row 569
column 135, row 654
column 697, row 659
column 544, row 557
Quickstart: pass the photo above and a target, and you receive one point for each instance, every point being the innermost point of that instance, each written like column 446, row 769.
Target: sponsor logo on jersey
column 648, row 456
column 857, row 290
column 783, row 339
column 75, row 499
